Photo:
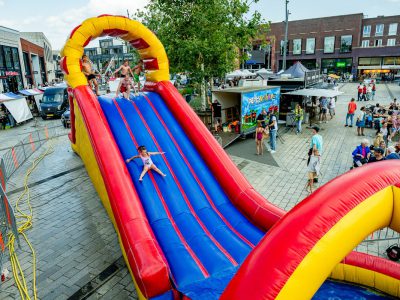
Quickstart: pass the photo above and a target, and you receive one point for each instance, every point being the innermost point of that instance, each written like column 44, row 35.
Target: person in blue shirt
column 316, row 141
column 361, row 154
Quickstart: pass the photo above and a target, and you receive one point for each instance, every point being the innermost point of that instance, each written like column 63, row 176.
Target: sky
column 56, row 18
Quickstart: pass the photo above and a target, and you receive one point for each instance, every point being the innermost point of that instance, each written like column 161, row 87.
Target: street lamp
column 286, row 35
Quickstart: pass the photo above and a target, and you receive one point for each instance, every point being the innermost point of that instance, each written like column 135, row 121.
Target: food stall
column 17, row 107
column 240, row 108
column 33, row 94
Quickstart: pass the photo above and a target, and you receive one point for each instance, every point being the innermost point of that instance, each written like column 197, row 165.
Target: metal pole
column 286, row 35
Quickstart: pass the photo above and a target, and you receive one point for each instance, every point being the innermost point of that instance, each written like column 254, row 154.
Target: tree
column 202, row 37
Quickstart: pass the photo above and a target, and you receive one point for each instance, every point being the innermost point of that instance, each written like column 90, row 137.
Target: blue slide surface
column 202, row 235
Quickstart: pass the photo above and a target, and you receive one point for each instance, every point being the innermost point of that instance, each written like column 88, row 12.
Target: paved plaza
column 78, row 255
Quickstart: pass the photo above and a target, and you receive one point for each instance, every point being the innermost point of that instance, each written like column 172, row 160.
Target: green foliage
column 196, row 33
column 196, row 103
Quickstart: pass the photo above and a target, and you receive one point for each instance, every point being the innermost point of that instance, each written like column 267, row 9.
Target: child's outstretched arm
column 154, row 153
column 132, row 158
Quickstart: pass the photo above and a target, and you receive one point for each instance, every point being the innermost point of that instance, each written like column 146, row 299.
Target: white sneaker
column 273, row 151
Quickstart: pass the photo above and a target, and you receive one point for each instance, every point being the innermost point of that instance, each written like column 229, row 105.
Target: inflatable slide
column 202, row 232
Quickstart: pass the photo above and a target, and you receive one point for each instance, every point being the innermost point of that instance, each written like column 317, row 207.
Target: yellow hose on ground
column 23, row 225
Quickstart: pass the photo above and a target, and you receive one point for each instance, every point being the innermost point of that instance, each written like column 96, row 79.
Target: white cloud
column 58, row 25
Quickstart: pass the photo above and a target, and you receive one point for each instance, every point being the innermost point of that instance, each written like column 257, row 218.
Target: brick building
column 339, row 44
column 34, row 62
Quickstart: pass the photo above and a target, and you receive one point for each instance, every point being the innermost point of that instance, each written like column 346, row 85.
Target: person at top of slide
column 137, row 70
column 124, row 68
column 124, row 87
column 147, row 162
column 89, row 73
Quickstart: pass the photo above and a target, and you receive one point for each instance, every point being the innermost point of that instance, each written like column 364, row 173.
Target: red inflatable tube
column 291, row 239
column 145, row 257
column 373, row 263
column 262, row 213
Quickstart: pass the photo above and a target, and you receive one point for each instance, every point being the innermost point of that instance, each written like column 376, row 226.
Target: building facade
column 340, row 44
column 33, row 58
column 56, row 66
column 109, row 53
column 41, row 40
column 12, row 68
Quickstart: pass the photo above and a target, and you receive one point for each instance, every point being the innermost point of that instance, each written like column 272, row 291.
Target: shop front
column 337, row 66
column 10, row 69
column 379, row 68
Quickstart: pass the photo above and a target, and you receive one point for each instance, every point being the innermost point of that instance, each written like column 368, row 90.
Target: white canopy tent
column 17, row 106
column 236, row 73
column 315, row 93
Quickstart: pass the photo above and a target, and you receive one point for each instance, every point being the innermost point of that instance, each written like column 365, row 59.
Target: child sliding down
column 147, row 162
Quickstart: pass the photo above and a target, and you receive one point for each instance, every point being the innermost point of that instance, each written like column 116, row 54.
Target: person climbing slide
column 147, row 162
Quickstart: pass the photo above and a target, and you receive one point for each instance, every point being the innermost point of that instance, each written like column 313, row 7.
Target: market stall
column 34, row 94
column 17, row 106
column 310, row 105
column 240, row 108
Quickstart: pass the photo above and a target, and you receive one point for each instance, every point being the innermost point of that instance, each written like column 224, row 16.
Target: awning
column 30, row 92
column 315, row 93
column 17, row 106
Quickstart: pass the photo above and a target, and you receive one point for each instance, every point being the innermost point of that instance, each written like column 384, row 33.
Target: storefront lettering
column 11, row 73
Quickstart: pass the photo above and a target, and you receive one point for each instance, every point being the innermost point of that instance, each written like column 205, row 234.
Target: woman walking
column 313, row 168
column 361, row 121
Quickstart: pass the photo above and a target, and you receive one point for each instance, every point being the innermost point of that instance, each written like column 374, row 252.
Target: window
column 27, row 63
column 8, row 57
column 310, row 46
column 365, row 44
column 2, row 63
column 297, row 46
column 346, row 43
column 378, row 43
column 367, row 31
column 369, row 61
column 379, row 29
column 391, row 60
column 329, row 44
column 393, row 29
column 282, row 47
column 15, row 55
column 391, row 42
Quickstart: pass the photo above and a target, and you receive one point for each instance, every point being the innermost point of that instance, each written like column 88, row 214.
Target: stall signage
column 11, row 73
column 340, row 64
column 254, row 102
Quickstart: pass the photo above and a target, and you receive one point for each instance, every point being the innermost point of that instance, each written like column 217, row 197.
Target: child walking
column 260, row 134
column 313, row 169
column 147, row 162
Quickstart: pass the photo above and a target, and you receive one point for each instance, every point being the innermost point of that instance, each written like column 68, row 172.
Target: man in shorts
column 136, row 73
column 125, row 69
column 323, row 104
column 89, row 73
column 124, row 87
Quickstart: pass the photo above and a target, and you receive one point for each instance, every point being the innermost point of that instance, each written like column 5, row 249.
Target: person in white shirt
column 273, row 129
column 369, row 92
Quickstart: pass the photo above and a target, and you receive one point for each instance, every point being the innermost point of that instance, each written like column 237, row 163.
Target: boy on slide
column 147, row 162
column 124, row 87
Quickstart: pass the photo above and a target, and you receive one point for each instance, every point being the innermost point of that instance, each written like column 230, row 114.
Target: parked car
column 54, row 102
column 65, row 119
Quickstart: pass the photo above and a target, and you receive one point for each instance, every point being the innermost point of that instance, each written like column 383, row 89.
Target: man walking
column 298, row 116
column 317, row 141
column 273, row 129
column 350, row 112
column 216, row 109
column 364, row 93
column 323, row 109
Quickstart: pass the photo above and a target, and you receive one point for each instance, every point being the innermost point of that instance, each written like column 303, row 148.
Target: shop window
column 296, row 46
column 2, row 62
column 329, row 44
column 391, row 61
column 391, row 42
column 369, row 61
column 367, row 31
column 378, row 43
column 379, row 29
column 26, row 63
column 365, row 44
column 346, row 43
column 8, row 57
column 15, row 55
column 310, row 46
column 393, row 29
